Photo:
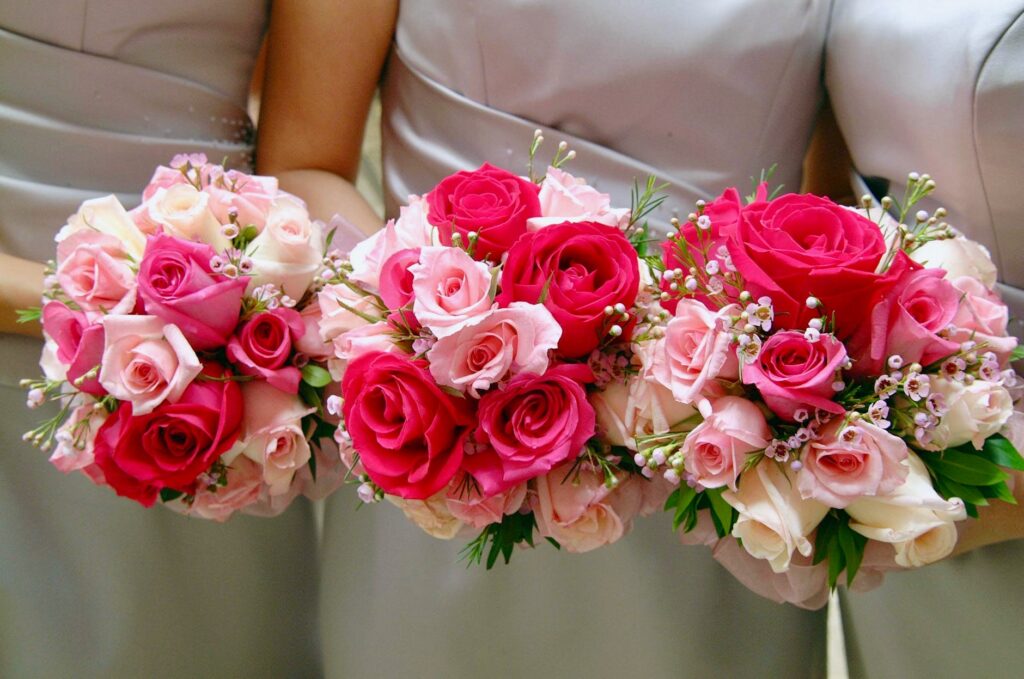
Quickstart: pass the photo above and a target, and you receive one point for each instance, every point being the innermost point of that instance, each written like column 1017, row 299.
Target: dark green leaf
column 852, row 543
column 721, row 512
column 965, row 468
column 315, row 376
column 169, row 494
column 1017, row 353
column 312, row 467
column 999, row 450
column 998, row 491
column 836, row 563
column 823, row 537
column 949, row 488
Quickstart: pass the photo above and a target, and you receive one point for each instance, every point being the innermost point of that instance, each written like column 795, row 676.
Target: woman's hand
column 998, row 522
column 21, row 287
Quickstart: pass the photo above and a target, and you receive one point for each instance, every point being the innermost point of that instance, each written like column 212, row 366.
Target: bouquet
column 473, row 338
column 851, row 373
column 181, row 344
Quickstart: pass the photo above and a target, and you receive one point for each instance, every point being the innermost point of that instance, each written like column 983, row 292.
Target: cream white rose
column 183, row 211
column 431, row 515
column 637, row 407
column 975, row 412
column 289, row 251
column 108, row 216
column 959, row 257
column 272, row 434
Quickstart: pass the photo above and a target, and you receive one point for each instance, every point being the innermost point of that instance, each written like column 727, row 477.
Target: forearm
column 998, row 522
column 21, row 286
column 326, row 194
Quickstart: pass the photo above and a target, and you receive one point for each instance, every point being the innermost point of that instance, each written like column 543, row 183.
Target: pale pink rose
column 913, row 518
column 343, row 309
column 851, row 461
column 146, row 361
column 362, row 340
column 75, row 439
column 245, row 483
column 93, row 269
column 565, row 198
column 774, row 521
column 431, row 515
column 576, row 508
column 974, row 412
column 802, row 584
column 451, row 288
column 634, row 407
column 982, row 318
column 163, row 178
column 959, row 257
column 249, row 196
column 473, row 509
column 272, row 433
column 106, row 215
column 490, row 347
column 715, row 451
column 311, row 343
column 1013, row 430
column 695, row 351
column 184, row 212
column 411, row 230
column 289, row 251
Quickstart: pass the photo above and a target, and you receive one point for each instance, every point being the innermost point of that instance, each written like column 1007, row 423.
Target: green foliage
column 1018, row 353
column 841, row 545
column 169, row 494
column 500, row 539
column 975, row 476
column 31, row 314
column 686, row 503
column 315, row 376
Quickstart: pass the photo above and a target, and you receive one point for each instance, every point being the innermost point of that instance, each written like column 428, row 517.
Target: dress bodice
column 939, row 84
column 703, row 94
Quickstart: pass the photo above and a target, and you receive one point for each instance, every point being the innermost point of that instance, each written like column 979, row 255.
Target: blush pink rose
column 106, row 216
column 146, row 361
column 635, row 407
column 472, row 508
column 289, row 251
column 450, row 288
column 247, row 196
column 715, row 451
column 489, row 348
column 273, row 435
column 410, row 231
column 695, row 352
column 565, row 198
column 177, row 284
column 791, row 373
column 535, row 423
column 343, row 309
column 576, row 508
column 907, row 321
column 982, row 317
column 244, row 487
column 79, row 345
column 490, row 201
column 263, row 346
column 93, row 269
column 366, row 339
column 310, row 343
column 75, row 441
column 851, row 462
column 164, row 178
column 410, row 435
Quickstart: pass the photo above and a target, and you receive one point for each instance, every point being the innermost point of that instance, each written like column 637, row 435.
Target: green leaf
column 169, row 494
column 999, row 450
column 310, row 396
column 823, row 537
column 852, row 543
column 1017, row 353
column 312, row 467
column 721, row 512
column 28, row 315
column 998, row 491
column 836, row 563
column 554, row 543
column 315, row 376
column 966, row 468
column 949, row 488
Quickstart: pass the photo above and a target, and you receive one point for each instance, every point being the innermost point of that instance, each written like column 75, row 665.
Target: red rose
column 799, row 246
column 578, row 269
column 490, row 201
column 263, row 346
column 532, row 425
column 396, row 288
column 177, row 284
column 172, row 445
column 409, row 434
column 79, row 345
column 793, row 373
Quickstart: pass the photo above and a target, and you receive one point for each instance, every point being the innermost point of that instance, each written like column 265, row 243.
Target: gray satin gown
column 701, row 94
column 94, row 95
column 938, row 87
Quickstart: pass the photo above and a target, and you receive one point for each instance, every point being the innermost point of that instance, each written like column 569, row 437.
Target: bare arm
column 827, row 163
column 21, row 286
column 324, row 60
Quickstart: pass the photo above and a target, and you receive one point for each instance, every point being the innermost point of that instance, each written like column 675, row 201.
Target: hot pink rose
column 93, row 269
column 450, row 289
column 576, row 270
column 907, row 321
column 577, row 509
column 565, row 198
column 396, row 288
column 248, row 196
column 264, row 344
column 172, row 445
column 982, row 317
column 493, row 203
column 244, row 487
column 794, row 373
column 487, row 349
column 146, row 361
column 409, row 434
column 800, row 245
column 177, row 284
column 79, row 345
column 273, row 435
column 696, row 351
column 535, row 423
column 715, row 451
column 474, row 509
column 850, row 462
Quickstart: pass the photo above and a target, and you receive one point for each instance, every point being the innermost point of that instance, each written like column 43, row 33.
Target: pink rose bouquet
column 474, row 339
column 186, row 369
column 852, row 379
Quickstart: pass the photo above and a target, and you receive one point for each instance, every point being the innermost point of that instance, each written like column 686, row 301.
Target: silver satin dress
column 94, row 95
column 938, row 87
column 701, row 94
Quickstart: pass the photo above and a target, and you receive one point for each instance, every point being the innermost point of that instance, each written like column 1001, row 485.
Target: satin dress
column 93, row 96
column 701, row 94
column 938, row 87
